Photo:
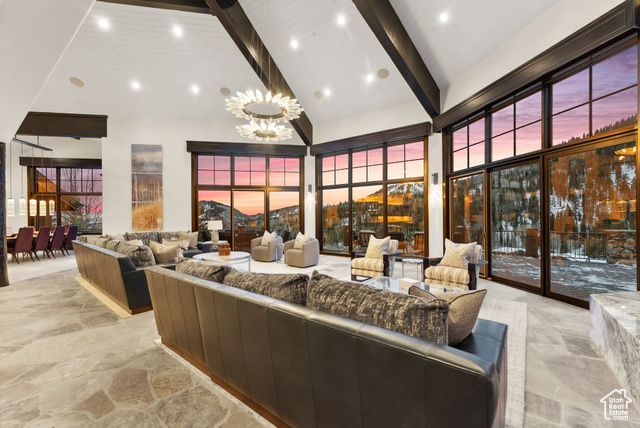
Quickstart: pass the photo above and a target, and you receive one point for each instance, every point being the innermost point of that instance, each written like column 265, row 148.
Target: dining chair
column 57, row 241
column 24, row 241
column 41, row 243
column 72, row 234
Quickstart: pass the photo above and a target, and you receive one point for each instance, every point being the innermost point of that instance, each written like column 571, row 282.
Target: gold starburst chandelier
column 263, row 112
column 264, row 131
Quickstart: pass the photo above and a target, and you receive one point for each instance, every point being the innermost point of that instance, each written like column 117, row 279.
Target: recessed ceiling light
column 177, row 31
column 383, row 73
column 342, row 20
column 444, row 17
column 327, row 92
column 104, row 23
column 76, row 82
column 225, row 91
column 294, row 44
column 369, row 78
column 319, row 95
column 195, row 89
column 135, row 85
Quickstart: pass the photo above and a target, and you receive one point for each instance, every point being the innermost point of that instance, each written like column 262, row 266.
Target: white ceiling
column 474, row 29
column 329, row 56
column 140, row 45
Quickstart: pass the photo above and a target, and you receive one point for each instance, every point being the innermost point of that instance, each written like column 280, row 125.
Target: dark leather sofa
column 312, row 369
column 115, row 275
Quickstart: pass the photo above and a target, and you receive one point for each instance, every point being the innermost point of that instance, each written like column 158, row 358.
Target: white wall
column 172, row 135
column 557, row 23
column 17, row 185
column 435, row 196
column 380, row 120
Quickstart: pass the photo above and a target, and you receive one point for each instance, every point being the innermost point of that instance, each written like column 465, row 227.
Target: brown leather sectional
column 312, row 369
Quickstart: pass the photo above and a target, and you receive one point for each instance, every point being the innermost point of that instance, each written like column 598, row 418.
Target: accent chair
column 467, row 279
column 308, row 255
column 265, row 253
column 362, row 266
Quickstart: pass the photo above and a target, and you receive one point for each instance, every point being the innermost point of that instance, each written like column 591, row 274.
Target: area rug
column 513, row 314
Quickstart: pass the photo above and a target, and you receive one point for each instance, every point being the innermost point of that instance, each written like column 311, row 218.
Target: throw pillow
column 182, row 243
column 164, row 254
column 135, row 242
column 301, row 239
column 102, row 242
column 118, row 237
column 394, row 311
column 140, row 255
column 291, row 288
column 463, row 310
column 92, row 239
column 457, row 255
column 203, row 270
column 168, row 236
column 114, row 245
column 191, row 237
column 146, row 237
column 267, row 237
column 377, row 247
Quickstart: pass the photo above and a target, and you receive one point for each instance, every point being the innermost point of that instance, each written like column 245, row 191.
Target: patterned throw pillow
column 164, row 254
column 135, row 242
column 203, row 270
column 168, row 236
column 146, row 237
column 377, row 247
column 463, row 310
column 394, row 311
column 182, row 243
column 140, row 255
column 267, row 237
column 291, row 288
column 118, row 237
column 192, row 238
column 301, row 239
column 457, row 255
column 102, row 242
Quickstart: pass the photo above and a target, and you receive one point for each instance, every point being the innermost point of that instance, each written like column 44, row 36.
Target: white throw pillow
column 301, row 239
column 268, row 237
column 457, row 255
column 377, row 247
column 191, row 237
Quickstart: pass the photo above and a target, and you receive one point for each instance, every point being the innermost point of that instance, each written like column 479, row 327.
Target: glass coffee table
column 234, row 258
column 392, row 284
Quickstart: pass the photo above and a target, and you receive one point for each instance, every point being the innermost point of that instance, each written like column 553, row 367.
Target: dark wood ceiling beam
column 235, row 21
column 196, row 6
column 63, row 125
column 387, row 27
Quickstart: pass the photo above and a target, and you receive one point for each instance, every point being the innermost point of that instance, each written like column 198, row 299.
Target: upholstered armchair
column 308, row 255
column 467, row 279
column 265, row 253
column 371, row 268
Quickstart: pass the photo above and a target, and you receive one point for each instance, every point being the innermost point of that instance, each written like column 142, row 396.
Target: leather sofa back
column 114, row 274
column 310, row 368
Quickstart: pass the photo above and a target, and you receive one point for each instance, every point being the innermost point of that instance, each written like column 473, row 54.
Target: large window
column 76, row 193
column 242, row 190
column 468, row 145
column 517, row 128
column 364, row 196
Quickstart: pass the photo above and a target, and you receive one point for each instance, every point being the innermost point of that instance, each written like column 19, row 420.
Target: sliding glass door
column 592, row 220
column 467, row 209
column 515, row 224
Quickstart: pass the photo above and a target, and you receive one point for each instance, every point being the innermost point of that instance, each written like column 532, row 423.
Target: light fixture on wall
column 33, row 207
column 434, row 177
column 11, row 204
column 43, row 208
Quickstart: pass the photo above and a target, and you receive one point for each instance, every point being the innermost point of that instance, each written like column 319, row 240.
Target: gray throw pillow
column 115, row 245
column 145, row 237
column 203, row 270
column 291, row 288
column 168, row 236
column 394, row 311
column 140, row 255
column 463, row 310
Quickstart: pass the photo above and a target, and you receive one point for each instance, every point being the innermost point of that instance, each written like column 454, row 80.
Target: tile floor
column 66, row 360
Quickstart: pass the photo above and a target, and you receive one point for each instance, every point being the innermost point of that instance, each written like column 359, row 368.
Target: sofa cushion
column 203, row 270
column 140, row 255
column 447, row 274
column 192, row 238
column 377, row 247
column 102, row 242
column 457, row 255
column 291, row 288
column 368, row 264
column 165, row 254
column 463, row 310
column 394, row 311
column 146, row 237
column 91, row 239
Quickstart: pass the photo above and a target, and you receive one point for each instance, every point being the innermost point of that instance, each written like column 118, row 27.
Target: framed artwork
column 146, row 187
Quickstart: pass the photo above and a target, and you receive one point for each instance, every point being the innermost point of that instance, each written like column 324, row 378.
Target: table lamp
column 214, row 226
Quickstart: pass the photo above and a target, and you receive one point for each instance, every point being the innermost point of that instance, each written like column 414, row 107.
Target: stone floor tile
column 543, row 407
column 240, row 419
column 171, row 381
column 98, row 404
column 131, row 387
column 193, row 407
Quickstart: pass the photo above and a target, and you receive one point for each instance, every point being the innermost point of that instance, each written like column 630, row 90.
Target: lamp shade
column 214, row 225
